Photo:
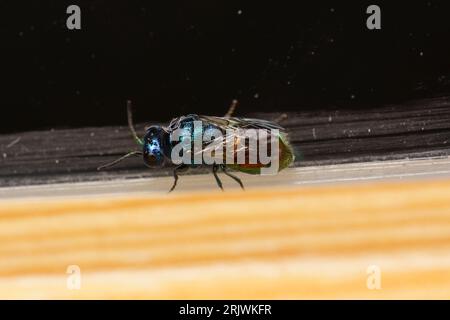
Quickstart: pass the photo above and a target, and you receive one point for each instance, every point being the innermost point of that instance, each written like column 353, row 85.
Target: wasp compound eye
column 153, row 155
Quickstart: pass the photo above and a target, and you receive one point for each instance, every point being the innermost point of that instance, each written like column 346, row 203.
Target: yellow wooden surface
column 311, row 242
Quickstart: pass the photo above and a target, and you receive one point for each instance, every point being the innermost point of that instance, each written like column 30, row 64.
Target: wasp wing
column 234, row 129
column 241, row 123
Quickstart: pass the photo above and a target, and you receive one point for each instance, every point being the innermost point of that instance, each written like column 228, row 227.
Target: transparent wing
column 235, row 131
column 241, row 123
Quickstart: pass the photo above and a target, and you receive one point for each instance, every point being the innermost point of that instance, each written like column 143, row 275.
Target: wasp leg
column 219, row 183
column 232, row 176
column 231, row 109
column 281, row 118
column 175, row 175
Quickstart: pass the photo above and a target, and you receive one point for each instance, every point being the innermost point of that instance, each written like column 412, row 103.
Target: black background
column 174, row 58
column 281, row 309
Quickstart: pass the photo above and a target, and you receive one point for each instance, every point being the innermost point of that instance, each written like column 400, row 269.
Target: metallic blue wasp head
column 153, row 148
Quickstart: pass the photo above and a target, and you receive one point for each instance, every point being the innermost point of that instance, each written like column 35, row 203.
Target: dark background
column 174, row 58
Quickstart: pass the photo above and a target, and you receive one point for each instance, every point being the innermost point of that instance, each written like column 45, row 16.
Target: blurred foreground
column 358, row 240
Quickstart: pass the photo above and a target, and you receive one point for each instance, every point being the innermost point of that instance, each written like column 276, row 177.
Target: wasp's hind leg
column 281, row 118
column 232, row 176
column 178, row 169
column 219, row 183
column 231, row 109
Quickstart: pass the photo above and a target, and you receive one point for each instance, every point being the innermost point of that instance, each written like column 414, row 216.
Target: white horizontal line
column 403, row 175
column 372, row 166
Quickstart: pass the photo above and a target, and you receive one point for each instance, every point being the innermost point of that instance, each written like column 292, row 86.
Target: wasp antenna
column 231, row 109
column 130, row 123
column 108, row 165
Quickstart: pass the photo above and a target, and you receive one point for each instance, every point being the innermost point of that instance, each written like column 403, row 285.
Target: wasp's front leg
column 180, row 168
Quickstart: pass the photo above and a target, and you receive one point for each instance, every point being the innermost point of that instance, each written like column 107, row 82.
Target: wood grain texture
column 311, row 242
column 336, row 135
